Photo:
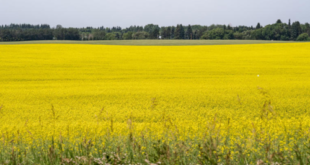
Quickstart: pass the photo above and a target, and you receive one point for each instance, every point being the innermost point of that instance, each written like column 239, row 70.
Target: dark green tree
column 177, row 32
column 257, row 34
column 99, row 35
column 296, row 30
column 307, row 28
column 277, row 31
column 229, row 34
column 172, row 32
column 155, row 33
column 201, row 31
column 140, row 35
column 303, row 37
column 153, row 30
column 71, row 34
column 229, row 27
column 258, row 26
column 182, row 32
column 217, row 34
column 128, row 35
column 189, row 32
column 168, row 32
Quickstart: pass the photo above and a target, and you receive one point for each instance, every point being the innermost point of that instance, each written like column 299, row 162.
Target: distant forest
column 277, row 31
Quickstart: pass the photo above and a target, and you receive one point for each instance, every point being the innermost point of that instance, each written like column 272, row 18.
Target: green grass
column 148, row 42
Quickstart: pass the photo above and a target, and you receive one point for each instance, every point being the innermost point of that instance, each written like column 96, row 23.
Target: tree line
column 278, row 31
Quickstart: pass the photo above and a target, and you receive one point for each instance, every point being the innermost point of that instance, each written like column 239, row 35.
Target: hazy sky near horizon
column 108, row 13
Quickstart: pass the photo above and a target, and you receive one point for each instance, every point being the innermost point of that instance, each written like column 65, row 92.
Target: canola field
column 103, row 104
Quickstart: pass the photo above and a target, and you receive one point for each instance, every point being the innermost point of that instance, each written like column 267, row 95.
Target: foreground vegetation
column 98, row 104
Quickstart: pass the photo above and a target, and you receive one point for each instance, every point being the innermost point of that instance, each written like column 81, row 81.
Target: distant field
column 150, row 42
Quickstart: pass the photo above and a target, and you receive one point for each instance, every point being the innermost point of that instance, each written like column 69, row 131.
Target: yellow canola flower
column 180, row 92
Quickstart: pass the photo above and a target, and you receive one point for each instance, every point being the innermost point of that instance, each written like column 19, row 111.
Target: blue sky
column 108, row 13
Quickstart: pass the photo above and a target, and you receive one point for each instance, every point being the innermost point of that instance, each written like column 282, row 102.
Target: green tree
column 229, row 27
column 258, row 34
column 182, row 32
column 296, row 30
column 229, row 34
column 172, row 32
column 303, row 37
column 59, row 33
column 154, row 34
column 217, row 34
column 128, row 35
column 238, row 35
column 279, row 31
column 201, row 31
column 189, row 32
column 140, row 35
column 177, row 32
column 307, row 28
column 99, row 35
column 258, row 26
column 247, row 35
column 279, row 21
column 166, row 32
column 112, row 36
column 71, row 34
column 152, row 30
